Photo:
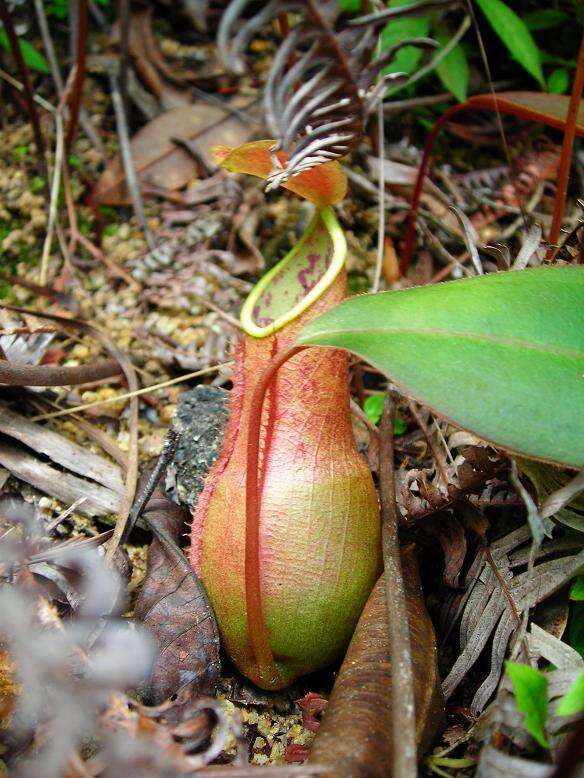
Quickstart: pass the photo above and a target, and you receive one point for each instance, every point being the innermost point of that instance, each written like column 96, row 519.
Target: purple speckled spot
column 306, row 271
column 261, row 321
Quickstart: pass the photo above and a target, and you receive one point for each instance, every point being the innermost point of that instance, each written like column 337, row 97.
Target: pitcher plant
column 288, row 578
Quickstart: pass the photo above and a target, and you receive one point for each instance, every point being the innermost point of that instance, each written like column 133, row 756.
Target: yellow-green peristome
column 293, row 285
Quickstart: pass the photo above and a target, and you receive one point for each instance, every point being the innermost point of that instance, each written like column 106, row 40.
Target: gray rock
column 202, row 417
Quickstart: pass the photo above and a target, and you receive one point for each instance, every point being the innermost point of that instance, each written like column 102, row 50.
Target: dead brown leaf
column 174, row 606
column 451, row 536
column 354, row 737
column 159, row 161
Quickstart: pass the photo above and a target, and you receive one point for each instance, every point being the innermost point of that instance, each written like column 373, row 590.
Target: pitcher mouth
column 299, row 279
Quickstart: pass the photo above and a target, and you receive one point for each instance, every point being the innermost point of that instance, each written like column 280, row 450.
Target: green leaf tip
column 531, row 696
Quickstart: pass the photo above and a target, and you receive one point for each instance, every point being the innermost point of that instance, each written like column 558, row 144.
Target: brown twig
column 79, row 72
column 360, row 414
column 56, row 375
column 417, row 190
column 128, row 162
column 166, row 456
column 402, row 689
column 503, row 584
column 112, row 266
column 48, row 45
column 566, row 158
column 44, row 291
column 6, row 19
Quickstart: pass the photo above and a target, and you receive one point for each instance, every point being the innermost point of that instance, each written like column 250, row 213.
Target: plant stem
column 416, row 194
column 48, row 45
column 6, row 19
column 124, row 15
column 381, row 189
column 256, row 625
column 128, row 162
column 566, row 158
column 79, row 72
column 402, row 681
column 54, row 198
column 84, row 119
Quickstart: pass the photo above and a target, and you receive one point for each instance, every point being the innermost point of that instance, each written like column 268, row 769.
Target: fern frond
column 322, row 82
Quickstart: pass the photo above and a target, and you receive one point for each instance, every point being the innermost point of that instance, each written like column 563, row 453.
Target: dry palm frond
column 497, row 596
column 322, row 82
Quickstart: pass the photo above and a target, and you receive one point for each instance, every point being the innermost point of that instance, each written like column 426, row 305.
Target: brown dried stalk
column 566, row 158
column 56, row 375
column 80, row 56
column 403, row 716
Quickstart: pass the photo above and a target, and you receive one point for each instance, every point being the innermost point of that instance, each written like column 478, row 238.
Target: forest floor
column 168, row 292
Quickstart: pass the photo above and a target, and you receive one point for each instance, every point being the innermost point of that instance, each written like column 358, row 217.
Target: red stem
column 425, row 163
column 256, row 624
column 566, row 158
column 25, row 77
column 79, row 73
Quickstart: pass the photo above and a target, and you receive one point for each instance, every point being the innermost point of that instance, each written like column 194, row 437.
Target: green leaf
column 544, row 19
column 37, row 184
column 531, row 695
column 572, row 702
column 493, row 353
column 559, row 81
column 373, row 407
column 58, row 8
column 577, row 590
column 407, row 58
column 33, row 58
column 350, row 6
column 514, row 34
column 453, row 69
